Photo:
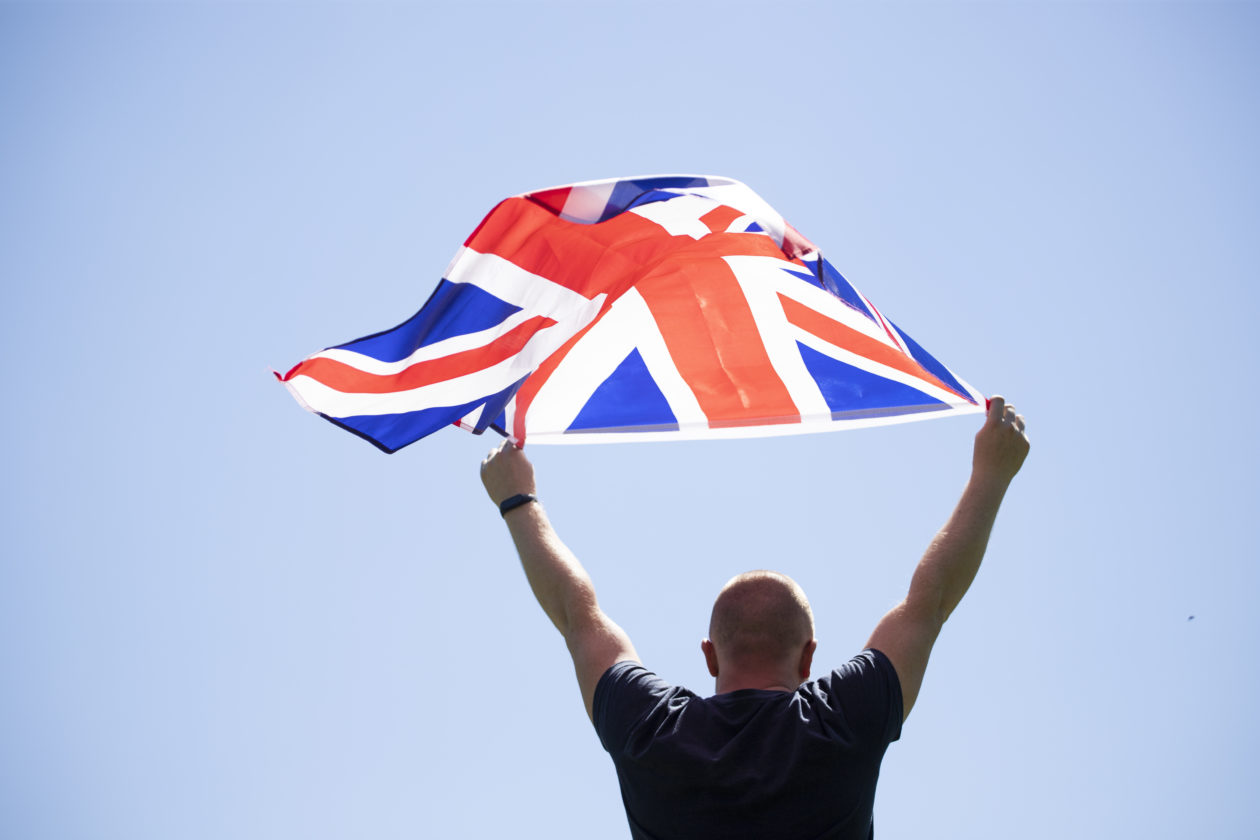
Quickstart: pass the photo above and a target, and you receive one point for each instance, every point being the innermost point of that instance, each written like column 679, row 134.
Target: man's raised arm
column 906, row 634
column 560, row 584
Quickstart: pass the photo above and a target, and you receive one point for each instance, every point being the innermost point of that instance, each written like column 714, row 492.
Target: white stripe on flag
column 828, row 349
column 889, row 331
column 627, row 325
column 679, row 216
column 506, row 281
column 464, row 389
column 738, row 195
column 437, row 350
column 824, row 302
column 761, row 278
column 586, row 204
column 513, row 284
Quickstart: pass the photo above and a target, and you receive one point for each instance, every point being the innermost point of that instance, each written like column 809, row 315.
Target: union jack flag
column 632, row 309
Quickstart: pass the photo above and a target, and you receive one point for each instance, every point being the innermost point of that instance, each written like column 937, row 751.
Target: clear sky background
column 221, row 617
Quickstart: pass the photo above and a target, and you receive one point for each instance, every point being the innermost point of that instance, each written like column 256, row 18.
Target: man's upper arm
column 906, row 635
column 596, row 643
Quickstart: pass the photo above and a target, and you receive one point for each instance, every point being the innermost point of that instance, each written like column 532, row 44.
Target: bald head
column 761, row 618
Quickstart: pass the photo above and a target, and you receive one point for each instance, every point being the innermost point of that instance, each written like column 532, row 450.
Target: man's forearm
column 951, row 561
column 558, row 580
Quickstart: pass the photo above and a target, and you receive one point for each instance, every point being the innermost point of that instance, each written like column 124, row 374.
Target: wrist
column 518, row 500
column 989, row 481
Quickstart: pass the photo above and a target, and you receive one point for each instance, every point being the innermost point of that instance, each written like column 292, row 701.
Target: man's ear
column 807, row 658
column 710, row 656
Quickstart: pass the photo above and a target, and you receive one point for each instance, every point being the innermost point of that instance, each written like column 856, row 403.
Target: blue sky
column 222, row 617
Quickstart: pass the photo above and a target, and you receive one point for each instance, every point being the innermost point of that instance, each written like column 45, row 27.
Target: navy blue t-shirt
column 751, row 763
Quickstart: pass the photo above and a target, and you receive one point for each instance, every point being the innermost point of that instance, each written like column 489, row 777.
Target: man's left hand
column 506, row 472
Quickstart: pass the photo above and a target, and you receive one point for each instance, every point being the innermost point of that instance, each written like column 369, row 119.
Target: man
column 769, row 755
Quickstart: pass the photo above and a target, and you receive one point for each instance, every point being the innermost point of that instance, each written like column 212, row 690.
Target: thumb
column 997, row 406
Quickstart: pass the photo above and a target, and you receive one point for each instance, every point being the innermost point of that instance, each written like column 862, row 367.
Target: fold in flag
column 664, row 307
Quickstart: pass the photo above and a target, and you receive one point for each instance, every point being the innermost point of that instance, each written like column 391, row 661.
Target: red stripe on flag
column 800, row 315
column 553, row 200
column 713, row 339
column 883, row 322
column 350, row 380
column 719, row 218
column 482, row 224
column 589, row 259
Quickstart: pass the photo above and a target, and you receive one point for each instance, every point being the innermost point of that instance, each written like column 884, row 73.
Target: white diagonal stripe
column 627, row 325
column 506, row 281
column 437, row 350
column 509, row 282
column 859, row 361
column 660, row 364
column 758, row 278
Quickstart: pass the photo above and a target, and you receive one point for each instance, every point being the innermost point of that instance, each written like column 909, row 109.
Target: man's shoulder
column 618, row 670
column 868, row 664
column 630, row 676
column 865, row 688
column 627, row 694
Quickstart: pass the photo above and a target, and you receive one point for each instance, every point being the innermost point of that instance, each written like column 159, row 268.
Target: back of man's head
column 761, row 618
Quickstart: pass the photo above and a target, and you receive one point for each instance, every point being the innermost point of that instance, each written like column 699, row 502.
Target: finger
column 1008, row 416
column 490, row 456
column 1019, row 422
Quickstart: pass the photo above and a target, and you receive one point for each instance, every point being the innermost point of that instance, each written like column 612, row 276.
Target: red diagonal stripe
column 350, row 380
column 857, row 342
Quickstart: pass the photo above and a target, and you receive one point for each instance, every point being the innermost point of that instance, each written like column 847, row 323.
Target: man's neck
column 736, row 682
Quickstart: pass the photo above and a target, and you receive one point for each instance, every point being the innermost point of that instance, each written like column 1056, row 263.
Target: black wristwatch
column 513, row 502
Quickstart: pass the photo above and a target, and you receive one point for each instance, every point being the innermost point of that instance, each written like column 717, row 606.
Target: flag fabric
column 661, row 307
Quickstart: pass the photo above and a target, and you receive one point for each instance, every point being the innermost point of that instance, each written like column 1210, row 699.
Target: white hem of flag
column 805, row 427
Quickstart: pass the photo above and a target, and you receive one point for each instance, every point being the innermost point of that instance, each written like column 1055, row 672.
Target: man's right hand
column 1001, row 444
column 506, row 471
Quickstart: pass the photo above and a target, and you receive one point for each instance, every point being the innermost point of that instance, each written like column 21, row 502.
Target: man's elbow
column 926, row 609
column 581, row 613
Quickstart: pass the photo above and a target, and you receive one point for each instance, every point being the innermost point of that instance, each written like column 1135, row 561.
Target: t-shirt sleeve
column 624, row 696
column 869, row 693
